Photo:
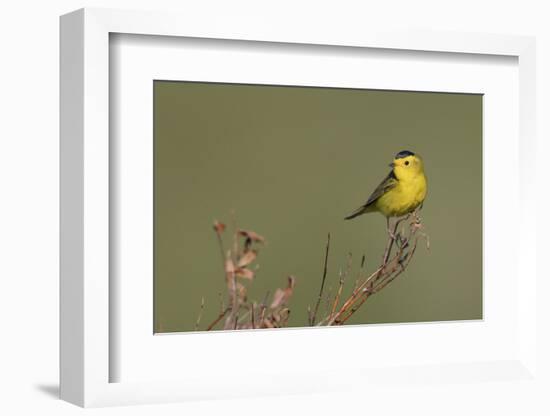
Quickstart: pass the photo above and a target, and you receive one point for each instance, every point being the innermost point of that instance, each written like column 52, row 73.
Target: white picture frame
column 86, row 355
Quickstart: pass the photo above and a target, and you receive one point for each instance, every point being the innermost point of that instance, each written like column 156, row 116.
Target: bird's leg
column 417, row 221
column 398, row 236
column 395, row 237
column 389, row 246
column 416, row 214
column 390, row 232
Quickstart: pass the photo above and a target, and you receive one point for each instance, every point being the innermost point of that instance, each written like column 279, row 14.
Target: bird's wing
column 388, row 183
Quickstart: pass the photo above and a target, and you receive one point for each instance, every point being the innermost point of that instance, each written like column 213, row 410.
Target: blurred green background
column 291, row 162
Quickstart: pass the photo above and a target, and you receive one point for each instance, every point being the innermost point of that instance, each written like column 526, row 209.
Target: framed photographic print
column 253, row 203
column 286, row 158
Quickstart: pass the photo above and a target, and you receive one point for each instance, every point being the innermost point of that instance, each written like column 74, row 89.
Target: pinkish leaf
column 291, row 283
column 244, row 273
column 252, row 236
column 219, row 227
column 267, row 324
column 241, row 291
column 247, row 258
column 278, row 298
column 282, row 296
column 229, row 266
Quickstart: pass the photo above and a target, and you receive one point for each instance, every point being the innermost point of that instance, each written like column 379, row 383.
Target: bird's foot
column 416, row 217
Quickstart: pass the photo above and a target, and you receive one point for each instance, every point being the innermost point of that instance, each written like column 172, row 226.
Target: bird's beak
column 391, row 165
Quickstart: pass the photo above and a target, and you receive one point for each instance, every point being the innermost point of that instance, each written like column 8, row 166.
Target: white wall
column 29, row 191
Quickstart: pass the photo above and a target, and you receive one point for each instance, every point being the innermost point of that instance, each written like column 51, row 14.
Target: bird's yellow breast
column 404, row 198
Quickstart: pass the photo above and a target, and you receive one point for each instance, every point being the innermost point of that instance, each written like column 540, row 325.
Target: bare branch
column 403, row 237
column 313, row 316
column 394, row 263
column 231, row 281
column 218, row 319
column 200, row 315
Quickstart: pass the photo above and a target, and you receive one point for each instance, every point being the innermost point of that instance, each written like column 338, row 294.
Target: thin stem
column 341, row 286
column 218, row 319
column 232, row 286
column 222, row 250
column 262, row 314
column 391, row 267
column 392, row 237
column 314, row 315
column 200, row 315
column 354, row 296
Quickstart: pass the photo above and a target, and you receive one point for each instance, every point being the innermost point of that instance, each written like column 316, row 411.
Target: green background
column 291, row 162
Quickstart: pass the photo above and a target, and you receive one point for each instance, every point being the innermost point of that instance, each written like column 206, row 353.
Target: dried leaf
column 291, row 283
column 281, row 296
column 252, row 236
column 284, row 314
column 247, row 258
column 241, row 291
column 229, row 266
column 219, row 227
column 244, row 273
column 278, row 298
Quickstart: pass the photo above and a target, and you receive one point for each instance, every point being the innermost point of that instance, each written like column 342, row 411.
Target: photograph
column 281, row 206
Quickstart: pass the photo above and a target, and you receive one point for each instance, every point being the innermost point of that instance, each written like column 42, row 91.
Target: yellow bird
column 401, row 192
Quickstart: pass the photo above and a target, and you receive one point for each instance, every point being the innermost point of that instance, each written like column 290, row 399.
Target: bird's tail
column 356, row 213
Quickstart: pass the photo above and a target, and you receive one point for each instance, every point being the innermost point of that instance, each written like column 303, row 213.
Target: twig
column 392, row 266
column 360, row 272
column 341, row 286
column 263, row 309
column 220, row 241
column 386, row 276
column 218, row 319
column 354, row 296
column 262, row 314
column 232, row 285
column 266, row 297
column 244, row 317
column 408, row 258
column 312, row 320
column 222, row 304
column 200, row 315
column 235, row 237
column 391, row 240
column 337, row 298
column 327, row 300
column 366, row 295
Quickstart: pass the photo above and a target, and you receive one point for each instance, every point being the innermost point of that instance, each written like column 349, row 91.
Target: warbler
column 401, row 192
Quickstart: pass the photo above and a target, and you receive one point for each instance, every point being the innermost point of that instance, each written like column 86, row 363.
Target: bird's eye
column 407, row 163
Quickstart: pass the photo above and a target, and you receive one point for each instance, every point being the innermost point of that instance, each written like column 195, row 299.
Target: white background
column 29, row 208
column 139, row 62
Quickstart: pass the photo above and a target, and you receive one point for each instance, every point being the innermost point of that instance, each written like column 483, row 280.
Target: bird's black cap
column 404, row 153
